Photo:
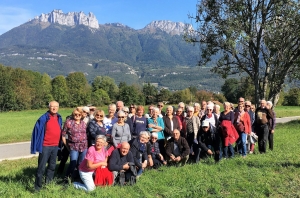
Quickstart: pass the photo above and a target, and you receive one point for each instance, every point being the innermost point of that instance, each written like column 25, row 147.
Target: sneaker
column 122, row 178
column 250, row 152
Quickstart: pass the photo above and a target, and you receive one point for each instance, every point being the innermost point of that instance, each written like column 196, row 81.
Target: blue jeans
column 226, row 151
column 242, row 144
column 48, row 154
column 76, row 158
column 88, row 181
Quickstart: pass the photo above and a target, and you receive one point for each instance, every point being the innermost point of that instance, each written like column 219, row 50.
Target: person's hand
column 218, row 152
column 172, row 157
column 209, row 152
column 126, row 166
column 150, row 161
column 177, row 159
column 144, row 165
column 104, row 163
column 161, row 157
column 272, row 131
column 195, row 141
column 151, row 125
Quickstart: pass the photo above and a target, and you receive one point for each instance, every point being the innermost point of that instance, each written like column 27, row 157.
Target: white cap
column 205, row 123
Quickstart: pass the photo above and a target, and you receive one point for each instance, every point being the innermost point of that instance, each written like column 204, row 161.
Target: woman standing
column 96, row 158
column 75, row 130
column 242, row 124
column 96, row 127
column 171, row 122
column 139, row 123
column 228, row 132
column 120, row 130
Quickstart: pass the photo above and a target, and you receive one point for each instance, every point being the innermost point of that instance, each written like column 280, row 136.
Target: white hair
column 270, row 103
column 190, row 108
column 103, row 137
column 196, row 104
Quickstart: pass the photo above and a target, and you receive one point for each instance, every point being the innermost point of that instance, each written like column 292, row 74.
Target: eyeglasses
column 179, row 111
column 125, row 111
column 121, row 117
column 154, row 138
column 209, row 109
column 77, row 114
column 247, row 106
column 101, row 116
column 159, row 106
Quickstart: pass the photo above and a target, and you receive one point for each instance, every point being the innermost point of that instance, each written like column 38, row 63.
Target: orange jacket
column 245, row 119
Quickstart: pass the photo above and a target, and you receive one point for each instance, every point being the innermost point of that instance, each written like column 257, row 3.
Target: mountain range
column 57, row 43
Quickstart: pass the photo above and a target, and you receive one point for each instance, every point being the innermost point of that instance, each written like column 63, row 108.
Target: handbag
column 239, row 127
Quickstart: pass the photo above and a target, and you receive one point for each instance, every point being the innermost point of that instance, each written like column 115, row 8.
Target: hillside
column 58, row 43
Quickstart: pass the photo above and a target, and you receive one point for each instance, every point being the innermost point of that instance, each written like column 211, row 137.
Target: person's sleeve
column 90, row 154
column 179, row 123
column 149, row 122
column 196, row 124
column 92, row 131
column 130, row 157
column 161, row 124
column 65, row 129
column 113, row 134
column 270, row 113
column 232, row 117
column 166, row 130
column 113, row 162
column 129, row 133
column 168, row 149
column 274, row 121
column 135, row 157
column 186, row 151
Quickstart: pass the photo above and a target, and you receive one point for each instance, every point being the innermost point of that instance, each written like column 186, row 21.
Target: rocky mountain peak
column 174, row 28
column 69, row 19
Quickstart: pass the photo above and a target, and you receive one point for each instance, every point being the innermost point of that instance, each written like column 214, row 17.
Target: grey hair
column 154, row 135
column 144, row 133
column 112, row 105
column 181, row 103
column 119, row 112
column 190, row 108
column 270, row 103
column 196, row 104
column 125, row 109
column 51, row 102
column 103, row 137
column 155, row 109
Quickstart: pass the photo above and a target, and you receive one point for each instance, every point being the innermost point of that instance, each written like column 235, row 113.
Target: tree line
column 24, row 89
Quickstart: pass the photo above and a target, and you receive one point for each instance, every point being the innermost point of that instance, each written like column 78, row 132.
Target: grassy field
column 274, row 174
column 17, row 126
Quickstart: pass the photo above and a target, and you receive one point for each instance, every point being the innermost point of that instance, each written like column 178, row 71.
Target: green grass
column 274, row 174
column 17, row 126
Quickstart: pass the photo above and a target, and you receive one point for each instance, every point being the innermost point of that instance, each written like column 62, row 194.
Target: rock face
column 174, row 28
column 69, row 19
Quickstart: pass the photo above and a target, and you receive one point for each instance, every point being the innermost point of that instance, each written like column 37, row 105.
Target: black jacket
column 210, row 137
column 136, row 153
column 182, row 144
column 116, row 160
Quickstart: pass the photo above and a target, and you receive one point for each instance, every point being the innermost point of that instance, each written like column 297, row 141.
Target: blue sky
column 134, row 13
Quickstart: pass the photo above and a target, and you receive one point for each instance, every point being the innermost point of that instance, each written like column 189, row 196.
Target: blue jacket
column 38, row 133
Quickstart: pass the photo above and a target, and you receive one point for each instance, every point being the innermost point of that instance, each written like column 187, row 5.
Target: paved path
column 22, row 149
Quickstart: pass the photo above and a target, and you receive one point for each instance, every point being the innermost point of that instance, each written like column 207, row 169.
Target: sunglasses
column 247, row 106
column 101, row 116
column 77, row 114
column 121, row 117
column 154, row 138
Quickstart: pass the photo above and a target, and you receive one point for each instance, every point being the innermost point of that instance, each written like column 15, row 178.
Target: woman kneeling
column 96, row 158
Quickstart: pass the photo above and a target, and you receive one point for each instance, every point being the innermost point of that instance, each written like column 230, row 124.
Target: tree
column 258, row 38
column 7, row 94
column 131, row 94
column 164, row 95
column 60, row 90
column 230, row 89
column 150, row 93
column 79, row 89
column 293, row 97
column 100, row 98
column 107, row 84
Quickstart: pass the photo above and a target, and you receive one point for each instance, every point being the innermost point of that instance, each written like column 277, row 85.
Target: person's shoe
column 122, row 178
column 250, row 152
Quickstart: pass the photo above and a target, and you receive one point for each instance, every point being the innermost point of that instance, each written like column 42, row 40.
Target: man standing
column 45, row 139
column 262, row 117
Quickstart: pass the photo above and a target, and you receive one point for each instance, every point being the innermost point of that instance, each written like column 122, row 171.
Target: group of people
column 118, row 147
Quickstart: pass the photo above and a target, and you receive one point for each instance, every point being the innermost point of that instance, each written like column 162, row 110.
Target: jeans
column 76, row 158
column 270, row 138
column 242, row 143
column 262, row 133
column 48, row 154
column 226, row 151
column 88, row 181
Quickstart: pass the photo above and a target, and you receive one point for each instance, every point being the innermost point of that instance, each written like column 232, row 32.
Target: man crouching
column 177, row 149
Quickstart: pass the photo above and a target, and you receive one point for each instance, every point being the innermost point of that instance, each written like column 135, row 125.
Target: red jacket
column 245, row 119
column 229, row 132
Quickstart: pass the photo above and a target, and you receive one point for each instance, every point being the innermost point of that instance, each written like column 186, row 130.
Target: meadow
column 274, row 174
column 17, row 126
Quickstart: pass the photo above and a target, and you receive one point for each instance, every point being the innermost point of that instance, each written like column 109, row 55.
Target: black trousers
column 262, row 133
column 270, row 138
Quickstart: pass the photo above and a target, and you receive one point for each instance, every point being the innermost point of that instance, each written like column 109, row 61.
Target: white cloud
column 11, row 17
